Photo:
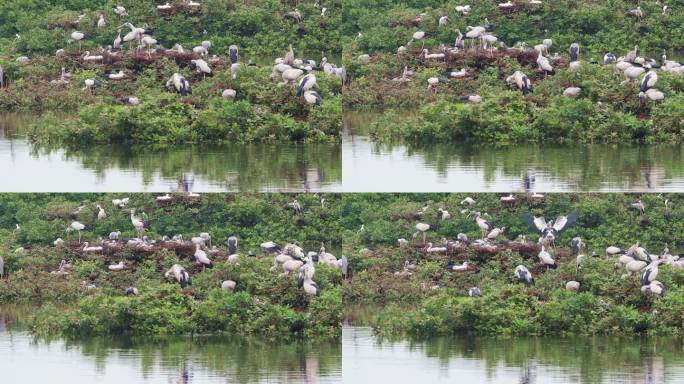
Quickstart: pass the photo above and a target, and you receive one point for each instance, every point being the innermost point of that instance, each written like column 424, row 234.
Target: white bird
column 130, row 100
column 120, row 11
column 521, row 81
column 228, row 285
column 431, row 249
column 471, row 98
column 650, row 272
column 632, row 73
column 649, row 81
column 120, row 203
column 138, row 223
column 572, row 285
column 201, row 256
column 164, row 7
column 296, row 15
column 445, row 214
column 635, row 266
column 229, row 94
column 468, row 201
column 116, row 75
column 202, row 67
column 418, row 35
column 76, row 226
column 101, row 214
column 463, row 9
column 652, row 95
column 639, row 205
column 638, row 13
column 483, row 224
column 306, row 83
column 524, row 275
column 289, row 76
column 655, row 288
column 572, row 92
column 89, row 249
column 200, row 50
column 312, row 98
column 77, row 36
column 89, row 57
column 180, row 84
column 609, row 58
column 459, row 267
column 443, row 21
column 506, row 5
column 495, row 233
column 117, row 267
column 101, row 22
column 613, row 250
column 422, row 227
column 180, row 274
column 117, row 41
column 59, row 242
column 545, row 258
column 544, row 64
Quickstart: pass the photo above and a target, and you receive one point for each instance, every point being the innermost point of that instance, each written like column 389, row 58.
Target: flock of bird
column 289, row 69
column 290, row 258
column 635, row 259
column 631, row 65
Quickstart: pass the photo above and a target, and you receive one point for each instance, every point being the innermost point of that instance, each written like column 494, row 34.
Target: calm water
column 255, row 167
column 179, row 360
column 373, row 167
column 509, row 361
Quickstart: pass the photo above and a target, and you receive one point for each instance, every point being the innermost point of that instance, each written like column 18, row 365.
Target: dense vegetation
column 434, row 300
column 262, row 303
column 262, row 110
column 605, row 111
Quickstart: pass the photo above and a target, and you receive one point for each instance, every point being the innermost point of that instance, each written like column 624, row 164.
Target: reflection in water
column 174, row 360
column 511, row 360
column 284, row 167
column 479, row 168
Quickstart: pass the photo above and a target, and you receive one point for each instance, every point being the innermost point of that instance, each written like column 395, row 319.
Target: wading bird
column 229, row 94
column 180, row 84
column 572, row 285
column 312, row 98
column 521, row 81
column 138, row 223
column 422, row 227
column 484, row 225
column 523, row 275
column 550, row 230
column 76, row 226
column 232, row 244
column 228, row 285
column 180, row 274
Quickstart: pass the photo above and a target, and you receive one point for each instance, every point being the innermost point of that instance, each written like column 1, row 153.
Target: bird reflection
column 187, row 182
column 529, row 179
column 647, row 180
column 185, row 375
column 529, row 376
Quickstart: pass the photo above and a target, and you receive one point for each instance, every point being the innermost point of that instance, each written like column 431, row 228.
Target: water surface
column 174, row 360
column 478, row 360
column 466, row 167
column 286, row 167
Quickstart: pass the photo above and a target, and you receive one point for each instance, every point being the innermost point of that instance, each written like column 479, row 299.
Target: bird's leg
column 424, row 236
